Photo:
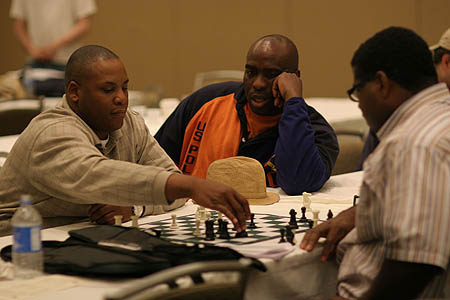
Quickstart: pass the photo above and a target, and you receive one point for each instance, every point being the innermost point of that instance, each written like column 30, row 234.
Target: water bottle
column 27, row 254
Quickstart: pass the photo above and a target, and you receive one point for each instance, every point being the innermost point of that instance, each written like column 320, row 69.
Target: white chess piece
column 174, row 222
column 197, row 228
column 307, row 201
column 134, row 221
column 118, row 220
column 315, row 217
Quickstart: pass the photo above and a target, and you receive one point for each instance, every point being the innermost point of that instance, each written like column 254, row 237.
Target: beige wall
column 167, row 42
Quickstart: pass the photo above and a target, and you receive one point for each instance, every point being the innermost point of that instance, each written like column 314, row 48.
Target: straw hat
column 246, row 176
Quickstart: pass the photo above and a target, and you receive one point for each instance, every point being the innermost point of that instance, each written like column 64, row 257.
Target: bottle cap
column 25, row 200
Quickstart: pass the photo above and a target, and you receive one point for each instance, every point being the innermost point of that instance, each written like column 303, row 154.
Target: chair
column 351, row 143
column 204, row 78
column 14, row 121
column 149, row 287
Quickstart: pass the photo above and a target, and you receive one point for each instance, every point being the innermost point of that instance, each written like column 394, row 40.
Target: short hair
column 401, row 54
column 438, row 53
column 82, row 58
column 283, row 39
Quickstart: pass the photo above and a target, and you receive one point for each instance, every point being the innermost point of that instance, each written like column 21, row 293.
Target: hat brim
column 270, row 198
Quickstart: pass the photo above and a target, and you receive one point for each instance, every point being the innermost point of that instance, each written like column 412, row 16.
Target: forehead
column 108, row 70
column 270, row 53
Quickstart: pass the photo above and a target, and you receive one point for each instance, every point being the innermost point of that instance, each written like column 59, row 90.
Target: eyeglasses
column 352, row 92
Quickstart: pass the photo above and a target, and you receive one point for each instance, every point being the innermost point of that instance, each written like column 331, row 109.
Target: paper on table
column 24, row 289
column 265, row 251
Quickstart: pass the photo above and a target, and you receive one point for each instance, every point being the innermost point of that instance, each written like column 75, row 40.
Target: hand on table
column 104, row 214
column 285, row 87
column 211, row 195
column 334, row 230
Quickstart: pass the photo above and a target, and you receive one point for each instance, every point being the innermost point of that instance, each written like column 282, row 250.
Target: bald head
column 271, row 42
column 81, row 60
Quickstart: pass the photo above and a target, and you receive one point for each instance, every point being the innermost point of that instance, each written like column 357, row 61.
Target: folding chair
column 204, row 78
column 163, row 285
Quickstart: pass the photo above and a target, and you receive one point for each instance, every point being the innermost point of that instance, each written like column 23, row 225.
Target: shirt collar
column 408, row 107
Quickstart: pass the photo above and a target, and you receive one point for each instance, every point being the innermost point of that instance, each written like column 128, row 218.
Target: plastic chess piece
column 209, row 232
column 134, row 221
column 315, row 217
column 224, row 232
column 252, row 224
column 303, row 219
column 241, row 234
column 219, row 230
column 310, row 224
column 174, row 224
column 289, row 235
column 197, row 228
column 118, row 220
column 330, row 214
column 282, row 240
column 293, row 220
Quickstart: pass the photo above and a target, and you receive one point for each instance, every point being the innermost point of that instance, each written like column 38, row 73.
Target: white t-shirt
column 47, row 20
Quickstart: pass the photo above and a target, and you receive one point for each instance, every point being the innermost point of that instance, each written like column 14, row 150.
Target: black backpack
column 115, row 251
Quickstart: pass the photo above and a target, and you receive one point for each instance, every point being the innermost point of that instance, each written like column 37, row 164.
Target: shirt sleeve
column 17, row 10
column 306, row 149
column 65, row 154
column 84, row 8
column 416, row 220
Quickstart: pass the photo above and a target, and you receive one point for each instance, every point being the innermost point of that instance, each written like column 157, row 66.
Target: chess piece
column 355, row 199
column 252, row 224
column 330, row 214
column 310, row 224
column 209, row 231
column 282, row 240
column 303, row 219
column 134, row 221
column 118, row 220
column 307, row 201
column 219, row 230
column 174, row 224
column 197, row 228
column 293, row 220
column 208, row 215
column 315, row 217
column 241, row 234
column 289, row 235
column 224, row 231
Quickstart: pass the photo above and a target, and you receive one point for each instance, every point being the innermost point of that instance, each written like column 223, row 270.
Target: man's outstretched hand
column 211, row 195
column 334, row 230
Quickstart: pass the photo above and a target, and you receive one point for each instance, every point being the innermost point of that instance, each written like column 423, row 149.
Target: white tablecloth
column 299, row 275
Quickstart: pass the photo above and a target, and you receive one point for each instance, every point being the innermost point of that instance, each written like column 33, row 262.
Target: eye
column 108, row 90
column 250, row 73
column 272, row 74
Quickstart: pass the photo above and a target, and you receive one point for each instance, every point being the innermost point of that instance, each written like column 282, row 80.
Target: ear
column 445, row 63
column 73, row 92
column 384, row 84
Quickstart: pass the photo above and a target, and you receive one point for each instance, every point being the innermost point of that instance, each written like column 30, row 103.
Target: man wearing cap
column 396, row 241
column 441, row 58
column 264, row 118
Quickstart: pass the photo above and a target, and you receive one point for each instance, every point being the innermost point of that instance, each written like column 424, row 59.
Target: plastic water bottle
column 27, row 254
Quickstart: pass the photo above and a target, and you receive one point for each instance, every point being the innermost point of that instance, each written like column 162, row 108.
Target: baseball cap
column 444, row 42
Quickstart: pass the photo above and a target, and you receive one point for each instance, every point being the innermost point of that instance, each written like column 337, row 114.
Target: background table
column 299, row 275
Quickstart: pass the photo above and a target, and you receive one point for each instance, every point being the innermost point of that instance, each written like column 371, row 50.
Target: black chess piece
column 209, row 233
column 303, row 219
column 220, row 228
column 330, row 214
column 241, row 234
column 310, row 224
column 293, row 220
column 290, row 235
column 224, row 234
column 282, row 240
column 252, row 224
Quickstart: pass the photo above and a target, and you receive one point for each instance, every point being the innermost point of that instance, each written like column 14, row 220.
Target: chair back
column 209, row 280
column 205, row 78
column 14, row 121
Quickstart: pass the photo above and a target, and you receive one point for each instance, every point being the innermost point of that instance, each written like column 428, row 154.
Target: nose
column 260, row 83
column 121, row 97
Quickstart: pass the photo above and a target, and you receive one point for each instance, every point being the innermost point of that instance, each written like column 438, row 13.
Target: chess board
column 268, row 227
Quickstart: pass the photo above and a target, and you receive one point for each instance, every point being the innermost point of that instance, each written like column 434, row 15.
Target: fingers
column 310, row 239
